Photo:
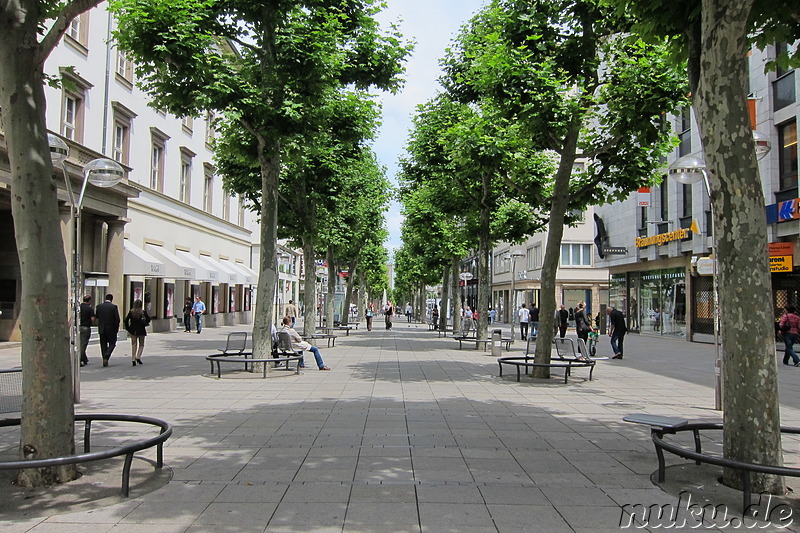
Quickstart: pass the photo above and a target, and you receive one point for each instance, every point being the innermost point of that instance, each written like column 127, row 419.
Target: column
column 114, row 260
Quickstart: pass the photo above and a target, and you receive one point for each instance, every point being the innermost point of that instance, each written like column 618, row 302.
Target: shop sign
column 705, row 266
column 788, row 210
column 780, row 263
column 615, row 250
column 644, row 196
column 664, row 238
column 780, row 248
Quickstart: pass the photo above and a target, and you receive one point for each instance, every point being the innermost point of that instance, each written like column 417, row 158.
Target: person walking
column 136, row 322
column 435, row 317
column 524, row 319
column 534, row 320
column 790, row 327
column 387, row 315
column 582, row 324
column 370, row 312
column 187, row 315
column 562, row 320
column 291, row 311
column 492, row 315
column 85, row 326
column 107, row 327
column 298, row 344
column 409, row 312
column 617, row 330
column 198, row 310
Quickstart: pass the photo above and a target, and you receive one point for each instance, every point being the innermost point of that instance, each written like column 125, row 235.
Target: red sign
column 780, row 248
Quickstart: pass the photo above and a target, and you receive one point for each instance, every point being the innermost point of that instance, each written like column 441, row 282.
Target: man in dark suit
column 86, row 317
column 107, row 327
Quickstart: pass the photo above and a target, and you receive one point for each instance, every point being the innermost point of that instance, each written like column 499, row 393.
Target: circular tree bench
column 663, row 425
column 526, row 362
column 218, row 359
column 88, row 456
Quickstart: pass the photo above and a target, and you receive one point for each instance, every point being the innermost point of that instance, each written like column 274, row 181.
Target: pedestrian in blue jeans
column 198, row 310
column 617, row 330
column 298, row 344
column 790, row 327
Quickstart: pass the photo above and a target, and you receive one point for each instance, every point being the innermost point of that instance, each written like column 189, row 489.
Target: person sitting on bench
column 298, row 344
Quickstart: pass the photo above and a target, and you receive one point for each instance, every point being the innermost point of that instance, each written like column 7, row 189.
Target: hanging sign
column 644, row 196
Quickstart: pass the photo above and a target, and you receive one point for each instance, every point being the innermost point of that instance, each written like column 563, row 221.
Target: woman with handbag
column 582, row 325
column 790, row 327
column 136, row 323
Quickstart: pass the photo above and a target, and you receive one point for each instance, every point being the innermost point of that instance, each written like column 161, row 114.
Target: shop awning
column 226, row 273
column 137, row 262
column 203, row 271
column 248, row 276
column 177, row 267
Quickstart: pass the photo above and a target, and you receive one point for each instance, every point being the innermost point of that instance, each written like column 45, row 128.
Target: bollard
column 496, row 342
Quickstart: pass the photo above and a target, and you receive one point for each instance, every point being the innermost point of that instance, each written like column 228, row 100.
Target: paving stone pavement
column 406, row 433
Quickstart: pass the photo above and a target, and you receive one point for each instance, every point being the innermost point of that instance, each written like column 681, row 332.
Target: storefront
column 654, row 301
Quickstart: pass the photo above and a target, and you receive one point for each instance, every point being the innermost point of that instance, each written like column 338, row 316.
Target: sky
column 431, row 24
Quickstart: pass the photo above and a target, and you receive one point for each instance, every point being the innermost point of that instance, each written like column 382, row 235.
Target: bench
column 330, row 338
column 248, row 360
column 346, row 329
column 526, row 362
column 477, row 342
column 663, row 425
column 235, row 344
column 88, row 456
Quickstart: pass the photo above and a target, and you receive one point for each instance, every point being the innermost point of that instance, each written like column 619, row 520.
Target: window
column 664, row 197
column 187, row 123
column 226, row 205
column 210, row 133
column 576, row 255
column 72, row 105
column 78, row 33
column 185, row 183
column 124, row 69
column 685, row 132
column 241, row 212
column 787, row 142
column 157, row 158
column 121, row 143
column 783, row 88
column 208, row 189
column 535, row 257
column 686, row 210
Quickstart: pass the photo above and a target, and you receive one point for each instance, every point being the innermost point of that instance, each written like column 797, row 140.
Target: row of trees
column 588, row 81
column 287, row 80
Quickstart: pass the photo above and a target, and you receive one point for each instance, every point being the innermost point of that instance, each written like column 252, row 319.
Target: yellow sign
column 663, row 238
column 781, row 263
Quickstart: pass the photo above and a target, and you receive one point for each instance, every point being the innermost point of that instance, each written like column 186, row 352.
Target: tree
column 31, row 29
column 713, row 37
column 268, row 67
column 567, row 73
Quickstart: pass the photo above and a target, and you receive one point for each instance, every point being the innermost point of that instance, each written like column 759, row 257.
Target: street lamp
column 688, row 170
column 513, row 256
column 280, row 258
column 102, row 173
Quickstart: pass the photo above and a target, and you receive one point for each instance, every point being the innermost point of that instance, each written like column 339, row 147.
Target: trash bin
column 497, row 335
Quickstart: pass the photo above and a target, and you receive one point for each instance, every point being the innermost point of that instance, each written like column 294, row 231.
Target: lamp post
column 688, row 170
column 280, row 258
column 513, row 256
column 101, row 173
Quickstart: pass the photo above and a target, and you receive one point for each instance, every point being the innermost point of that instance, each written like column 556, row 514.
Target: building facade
column 663, row 281
column 168, row 232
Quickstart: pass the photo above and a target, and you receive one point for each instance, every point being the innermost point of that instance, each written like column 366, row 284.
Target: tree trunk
column 555, row 231
column 270, row 163
column 455, row 312
column 484, row 249
column 445, row 303
column 750, row 400
column 310, row 287
column 331, row 289
column 47, row 410
column 348, row 296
